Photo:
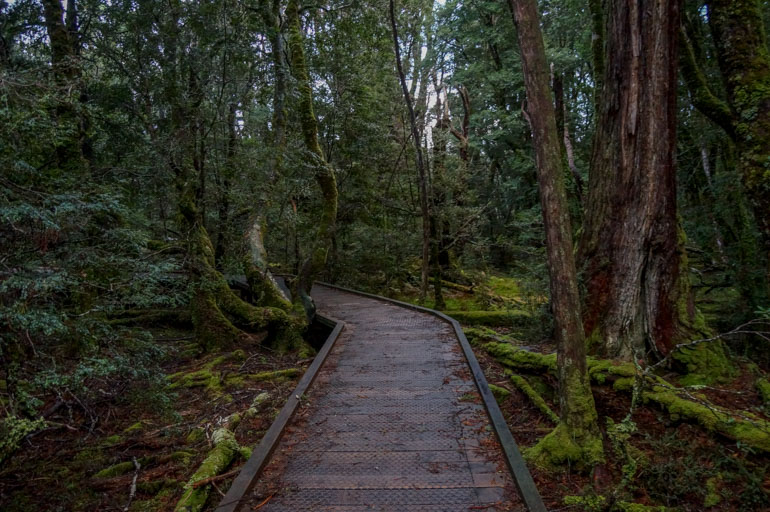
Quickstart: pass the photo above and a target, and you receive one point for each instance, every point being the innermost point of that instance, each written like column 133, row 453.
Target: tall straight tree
column 421, row 172
column 576, row 439
column 632, row 250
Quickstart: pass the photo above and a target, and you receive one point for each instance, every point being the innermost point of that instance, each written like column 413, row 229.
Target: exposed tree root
column 680, row 403
column 225, row 451
column 523, row 386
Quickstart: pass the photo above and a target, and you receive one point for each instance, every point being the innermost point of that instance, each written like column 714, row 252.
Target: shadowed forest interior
column 584, row 185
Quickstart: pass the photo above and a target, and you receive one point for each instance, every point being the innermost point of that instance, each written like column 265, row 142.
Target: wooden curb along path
column 400, row 418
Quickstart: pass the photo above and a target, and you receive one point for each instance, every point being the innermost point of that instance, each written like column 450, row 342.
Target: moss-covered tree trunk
column 632, row 250
column 741, row 45
column 324, row 174
column 576, row 439
column 261, row 282
column 73, row 152
column 219, row 316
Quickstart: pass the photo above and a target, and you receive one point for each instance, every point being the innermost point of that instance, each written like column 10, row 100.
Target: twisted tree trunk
column 324, row 174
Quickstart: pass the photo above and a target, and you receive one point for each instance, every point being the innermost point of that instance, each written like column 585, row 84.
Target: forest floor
column 84, row 460
column 658, row 460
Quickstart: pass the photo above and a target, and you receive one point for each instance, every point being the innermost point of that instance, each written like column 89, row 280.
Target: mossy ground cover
column 84, row 460
column 656, row 462
column 495, row 301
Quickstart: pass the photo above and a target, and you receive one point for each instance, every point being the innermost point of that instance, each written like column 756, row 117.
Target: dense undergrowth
column 160, row 429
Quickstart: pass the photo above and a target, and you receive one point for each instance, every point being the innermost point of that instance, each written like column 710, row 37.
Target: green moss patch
column 511, row 318
column 522, row 384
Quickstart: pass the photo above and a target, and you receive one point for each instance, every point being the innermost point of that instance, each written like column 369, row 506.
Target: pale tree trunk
column 576, row 440
column 261, row 282
column 562, row 127
column 718, row 238
column 324, row 174
column 421, row 172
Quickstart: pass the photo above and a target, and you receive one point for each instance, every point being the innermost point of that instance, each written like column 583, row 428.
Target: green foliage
column 13, row 430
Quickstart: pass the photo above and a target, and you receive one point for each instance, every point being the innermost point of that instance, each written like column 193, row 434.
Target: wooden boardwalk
column 392, row 422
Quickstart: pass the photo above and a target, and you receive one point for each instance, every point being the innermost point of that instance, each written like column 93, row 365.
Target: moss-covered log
column 534, row 397
column 219, row 458
column 225, row 450
column 740, row 426
column 492, row 318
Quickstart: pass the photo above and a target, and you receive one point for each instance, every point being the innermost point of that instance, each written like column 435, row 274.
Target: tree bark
column 632, row 249
column 741, row 44
column 219, row 316
column 73, row 154
column 324, row 174
column 576, row 438
column 563, row 128
column 421, row 173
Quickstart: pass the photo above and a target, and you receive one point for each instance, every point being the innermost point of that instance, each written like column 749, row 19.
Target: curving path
column 393, row 422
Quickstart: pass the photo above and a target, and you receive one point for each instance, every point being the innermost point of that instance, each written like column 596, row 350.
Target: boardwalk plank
column 392, row 422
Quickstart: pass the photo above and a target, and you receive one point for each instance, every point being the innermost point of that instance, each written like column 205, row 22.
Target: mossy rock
column 132, row 429
column 118, row 469
column 705, row 364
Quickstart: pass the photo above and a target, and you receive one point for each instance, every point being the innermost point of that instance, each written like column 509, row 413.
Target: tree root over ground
column 224, row 452
column 741, row 426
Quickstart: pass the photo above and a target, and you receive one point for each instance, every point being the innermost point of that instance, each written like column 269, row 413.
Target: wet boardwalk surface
column 393, row 422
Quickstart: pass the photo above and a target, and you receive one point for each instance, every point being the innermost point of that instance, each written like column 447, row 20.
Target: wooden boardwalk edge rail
column 515, row 461
column 261, row 456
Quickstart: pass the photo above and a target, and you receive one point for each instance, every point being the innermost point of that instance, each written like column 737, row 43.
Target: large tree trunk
column 576, row 439
column 324, row 174
column 632, row 250
column 421, row 172
column 261, row 282
column 219, row 316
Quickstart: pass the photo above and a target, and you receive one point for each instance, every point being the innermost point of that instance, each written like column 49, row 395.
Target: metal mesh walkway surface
column 393, row 422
